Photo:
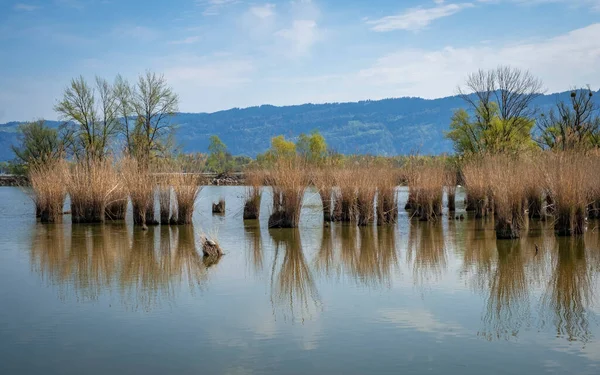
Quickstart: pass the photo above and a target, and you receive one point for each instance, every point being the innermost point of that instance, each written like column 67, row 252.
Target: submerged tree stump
column 210, row 248
column 219, row 208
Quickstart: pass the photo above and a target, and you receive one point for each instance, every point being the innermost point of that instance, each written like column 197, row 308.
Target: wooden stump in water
column 210, row 248
column 219, row 208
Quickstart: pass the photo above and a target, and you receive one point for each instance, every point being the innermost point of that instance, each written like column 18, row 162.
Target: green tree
column 94, row 119
column 38, row 144
column 219, row 160
column 500, row 101
column 280, row 148
column 312, row 148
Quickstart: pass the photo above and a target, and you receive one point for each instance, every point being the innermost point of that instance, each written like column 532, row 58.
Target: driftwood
column 219, row 208
column 210, row 248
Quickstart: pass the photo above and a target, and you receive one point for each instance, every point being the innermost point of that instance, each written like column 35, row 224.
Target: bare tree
column 505, row 92
column 124, row 94
column 574, row 124
column 93, row 123
column 154, row 103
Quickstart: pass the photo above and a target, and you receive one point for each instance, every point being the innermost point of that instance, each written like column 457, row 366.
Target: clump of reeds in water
column 345, row 202
column 477, row 185
column 324, row 181
column 508, row 190
column 533, row 179
column 254, row 180
column 116, row 206
column 594, row 183
column 186, row 187
column 428, row 184
column 450, row 182
column 140, row 185
column 566, row 175
column 90, row 185
column 48, row 185
column 365, row 196
column 387, row 199
column 288, row 180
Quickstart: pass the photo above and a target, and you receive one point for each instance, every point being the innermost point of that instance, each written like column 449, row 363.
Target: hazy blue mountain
column 384, row 127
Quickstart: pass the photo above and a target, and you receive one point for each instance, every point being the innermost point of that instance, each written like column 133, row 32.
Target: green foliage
column 280, row 149
column 312, row 148
column 38, row 144
column 487, row 132
column 219, row 160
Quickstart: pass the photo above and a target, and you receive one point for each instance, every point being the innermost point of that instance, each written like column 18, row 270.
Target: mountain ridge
column 382, row 127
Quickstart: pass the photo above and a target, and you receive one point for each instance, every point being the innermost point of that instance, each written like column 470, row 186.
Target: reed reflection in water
column 146, row 267
column 426, row 251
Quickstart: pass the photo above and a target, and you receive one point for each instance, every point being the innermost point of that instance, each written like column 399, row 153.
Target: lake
column 412, row 298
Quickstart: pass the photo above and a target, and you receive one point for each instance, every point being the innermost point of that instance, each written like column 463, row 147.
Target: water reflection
column 426, row 251
column 569, row 293
column 254, row 251
column 507, row 305
column 293, row 289
column 148, row 267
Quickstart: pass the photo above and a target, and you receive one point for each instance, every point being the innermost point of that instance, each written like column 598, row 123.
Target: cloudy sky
column 219, row 54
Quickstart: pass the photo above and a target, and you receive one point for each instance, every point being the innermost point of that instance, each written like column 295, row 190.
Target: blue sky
column 219, row 54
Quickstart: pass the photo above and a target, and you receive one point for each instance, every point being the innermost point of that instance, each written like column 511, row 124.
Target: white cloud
column 299, row 38
column 561, row 62
column 263, row 11
column 25, row 7
column 188, row 40
column 416, row 18
column 420, row 320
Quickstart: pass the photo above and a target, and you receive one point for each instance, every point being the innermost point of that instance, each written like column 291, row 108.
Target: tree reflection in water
column 293, row 288
column 85, row 261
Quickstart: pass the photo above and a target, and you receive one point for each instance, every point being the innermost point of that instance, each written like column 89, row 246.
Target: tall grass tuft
column 450, row 182
column 324, row 181
column 116, row 206
column 345, row 203
column 567, row 179
column 365, row 196
column 140, row 186
column 48, row 185
column 387, row 199
column 254, row 180
column 428, row 184
column 288, row 180
column 186, row 187
column 90, row 185
column 506, row 179
column 532, row 177
column 478, row 187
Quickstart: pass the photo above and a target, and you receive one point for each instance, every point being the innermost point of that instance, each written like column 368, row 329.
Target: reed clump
column 365, row 196
column 478, row 187
column 288, row 179
column 450, row 182
column 48, row 185
column 255, row 180
column 387, row 199
column 324, row 181
column 428, row 184
column 186, row 187
column 567, row 178
column 345, row 202
column 219, row 207
column 90, row 185
column 533, row 179
column 116, row 205
column 140, row 186
column 506, row 179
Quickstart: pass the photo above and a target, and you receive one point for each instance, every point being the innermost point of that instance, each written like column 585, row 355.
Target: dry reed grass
column 288, row 180
column 49, row 190
column 140, row 185
column 506, row 179
column 255, row 180
column 366, row 190
column 428, row 184
column 324, row 181
column 90, row 185
column 345, row 202
column 478, row 188
column 186, row 187
column 387, row 199
column 569, row 185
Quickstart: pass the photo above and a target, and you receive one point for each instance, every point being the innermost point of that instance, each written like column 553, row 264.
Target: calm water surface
column 444, row 298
